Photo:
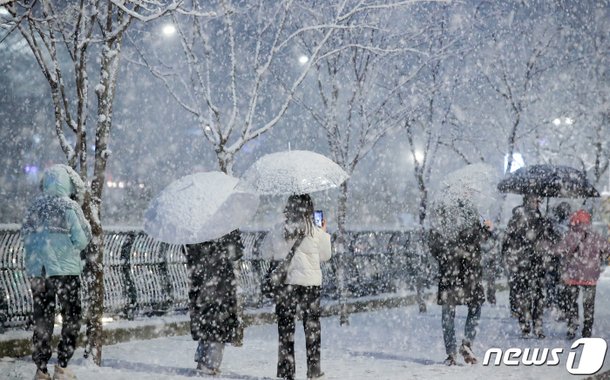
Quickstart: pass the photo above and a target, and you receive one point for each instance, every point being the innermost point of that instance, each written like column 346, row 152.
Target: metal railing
column 143, row 276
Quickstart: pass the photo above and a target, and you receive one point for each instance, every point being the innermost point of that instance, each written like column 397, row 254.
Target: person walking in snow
column 214, row 309
column 525, row 243
column 460, row 282
column 55, row 232
column 583, row 251
column 303, row 283
column 555, row 290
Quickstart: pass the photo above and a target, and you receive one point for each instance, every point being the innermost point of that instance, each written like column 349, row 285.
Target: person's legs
column 572, row 309
column 312, row 327
column 512, row 294
column 470, row 332
column 68, row 297
column 523, row 300
column 448, row 323
column 209, row 355
column 285, row 311
column 472, row 322
column 588, row 305
column 43, row 294
column 537, row 302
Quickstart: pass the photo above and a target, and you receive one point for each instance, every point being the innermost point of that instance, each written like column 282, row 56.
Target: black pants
column 47, row 293
column 307, row 299
column 588, row 306
column 529, row 298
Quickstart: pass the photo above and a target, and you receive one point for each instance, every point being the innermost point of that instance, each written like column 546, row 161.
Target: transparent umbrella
column 199, row 207
column 464, row 197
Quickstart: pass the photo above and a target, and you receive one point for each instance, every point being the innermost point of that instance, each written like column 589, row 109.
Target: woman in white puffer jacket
column 303, row 282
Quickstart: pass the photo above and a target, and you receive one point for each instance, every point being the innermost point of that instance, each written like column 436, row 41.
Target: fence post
column 130, row 288
column 3, row 308
column 167, row 286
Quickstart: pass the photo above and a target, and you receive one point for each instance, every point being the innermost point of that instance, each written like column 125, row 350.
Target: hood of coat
column 56, row 182
column 62, row 181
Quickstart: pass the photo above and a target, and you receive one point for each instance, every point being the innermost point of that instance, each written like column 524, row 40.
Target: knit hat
column 580, row 216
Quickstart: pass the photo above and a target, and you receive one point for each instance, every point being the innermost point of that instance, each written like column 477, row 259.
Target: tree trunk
column 341, row 251
column 94, row 283
column 420, row 244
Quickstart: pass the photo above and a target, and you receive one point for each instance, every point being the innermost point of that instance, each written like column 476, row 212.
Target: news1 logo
column 591, row 357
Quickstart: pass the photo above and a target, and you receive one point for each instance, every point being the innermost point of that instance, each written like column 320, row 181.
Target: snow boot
column 42, row 375
column 203, row 369
column 450, row 360
column 62, row 373
column 466, row 352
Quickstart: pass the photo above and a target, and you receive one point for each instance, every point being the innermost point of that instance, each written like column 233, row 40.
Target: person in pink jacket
column 583, row 251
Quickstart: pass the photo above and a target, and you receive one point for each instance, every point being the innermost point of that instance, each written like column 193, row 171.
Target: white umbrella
column 292, row 172
column 197, row 208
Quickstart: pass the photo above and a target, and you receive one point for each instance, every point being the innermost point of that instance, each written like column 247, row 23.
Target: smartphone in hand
column 318, row 216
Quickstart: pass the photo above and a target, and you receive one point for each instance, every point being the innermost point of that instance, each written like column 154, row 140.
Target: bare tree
column 581, row 120
column 354, row 101
column 517, row 64
column 240, row 72
column 60, row 35
column 431, row 122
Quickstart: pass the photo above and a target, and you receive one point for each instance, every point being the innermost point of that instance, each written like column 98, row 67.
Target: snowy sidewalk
column 389, row 344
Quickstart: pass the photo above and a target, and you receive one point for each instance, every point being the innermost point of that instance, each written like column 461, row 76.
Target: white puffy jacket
column 305, row 266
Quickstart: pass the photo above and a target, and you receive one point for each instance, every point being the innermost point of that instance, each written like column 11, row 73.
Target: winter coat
column 583, row 252
column 304, row 268
column 214, row 309
column 55, row 230
column 526, row 241
column 460, row 271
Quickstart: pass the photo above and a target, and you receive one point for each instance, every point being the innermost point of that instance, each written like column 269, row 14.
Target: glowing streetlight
column 169, row 30
column 563, row 120
column 303, row 59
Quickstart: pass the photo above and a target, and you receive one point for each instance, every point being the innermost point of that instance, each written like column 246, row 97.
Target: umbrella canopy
column 464, row 195
column 293, row 172
column 197, row 208
column 548, row 181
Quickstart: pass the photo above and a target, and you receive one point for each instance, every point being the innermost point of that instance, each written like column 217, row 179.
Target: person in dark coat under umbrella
column 215, row 311
column 527, row 239
column 460, row 282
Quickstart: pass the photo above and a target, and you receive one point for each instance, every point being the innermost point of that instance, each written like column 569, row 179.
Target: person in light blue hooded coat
column 55, row 232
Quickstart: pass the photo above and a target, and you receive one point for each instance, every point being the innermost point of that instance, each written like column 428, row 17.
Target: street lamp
column 563, row 120
column 303, row 59
column 169, row 30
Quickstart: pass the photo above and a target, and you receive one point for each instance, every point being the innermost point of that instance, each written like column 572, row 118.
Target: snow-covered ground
column 388, row 344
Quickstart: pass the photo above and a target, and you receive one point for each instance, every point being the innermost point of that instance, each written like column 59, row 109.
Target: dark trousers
column 47, row 293
column 529, row 299
column 588, row 306
column 470, row 329
column 307, row 300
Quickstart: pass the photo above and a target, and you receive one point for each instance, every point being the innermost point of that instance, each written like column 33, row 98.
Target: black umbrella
column 548, row 181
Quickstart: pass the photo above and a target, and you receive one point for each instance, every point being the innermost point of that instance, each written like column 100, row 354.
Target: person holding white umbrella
column 213, row 305
column 311, row 246
column 204, row 211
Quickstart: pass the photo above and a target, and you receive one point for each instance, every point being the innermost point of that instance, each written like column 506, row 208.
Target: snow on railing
column 143, row 276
